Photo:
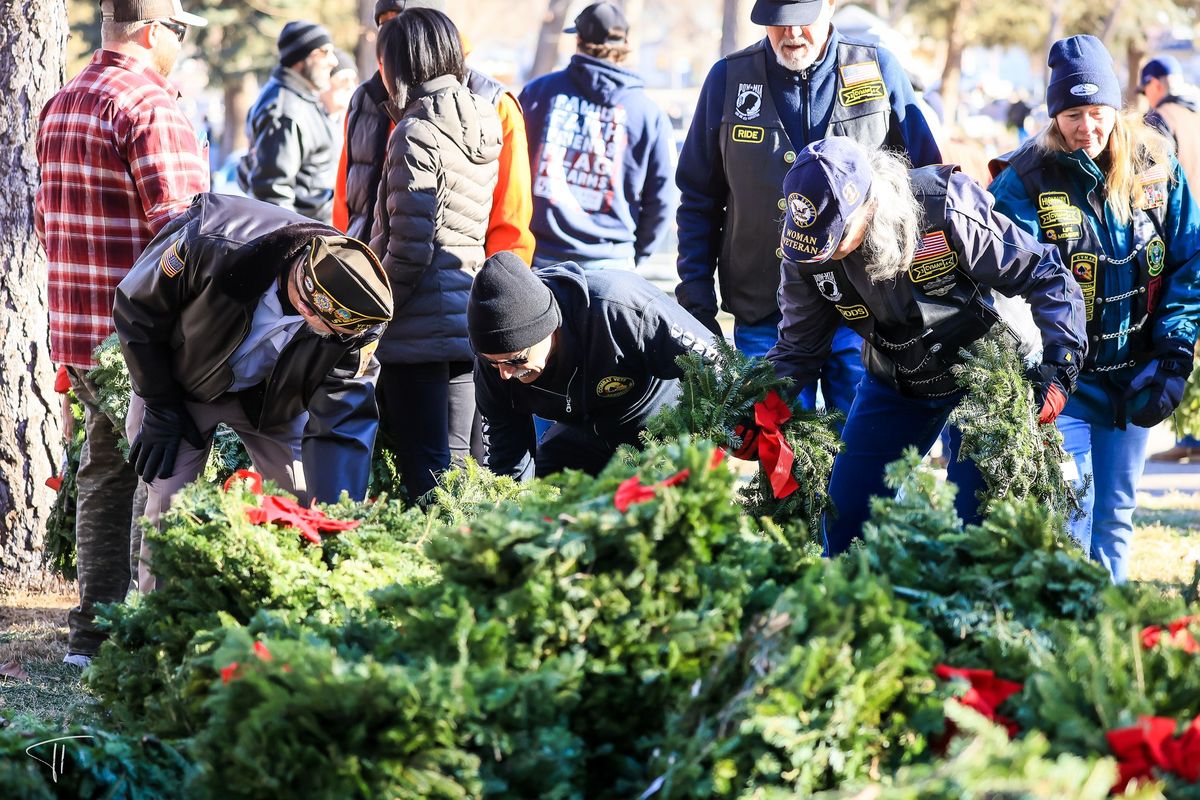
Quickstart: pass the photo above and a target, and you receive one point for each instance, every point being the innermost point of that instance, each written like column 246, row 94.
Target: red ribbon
column 62, row 381
column 311, row 522
column 986, row 694
column 55, row 482
column 632, row 491
column 774, row 453
column 1152, row 744
column 1178, row 635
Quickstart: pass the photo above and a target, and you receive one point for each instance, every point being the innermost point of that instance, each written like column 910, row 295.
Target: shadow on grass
column 53, row 694
column 1185, row 520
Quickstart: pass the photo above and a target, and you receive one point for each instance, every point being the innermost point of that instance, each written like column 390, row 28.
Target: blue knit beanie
column 1081, row 74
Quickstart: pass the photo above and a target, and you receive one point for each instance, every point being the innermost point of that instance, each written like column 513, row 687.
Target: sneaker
column 77, row 660
column 1179, row 454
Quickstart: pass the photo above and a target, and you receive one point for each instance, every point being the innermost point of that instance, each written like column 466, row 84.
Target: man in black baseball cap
column 600, row 23
column 592, row 351
column 244, row 313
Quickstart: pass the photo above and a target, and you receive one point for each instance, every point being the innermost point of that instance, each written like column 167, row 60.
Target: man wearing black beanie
column 292, row 159
column 594, row 352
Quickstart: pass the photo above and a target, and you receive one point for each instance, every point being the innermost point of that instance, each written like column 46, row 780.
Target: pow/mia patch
column 803, row 212
column 748, row 134
column 827, row 286
column 614, row 386
column 748, row 105
column 171, row 262
column 1059, row 220
column 852, row 313
column 1156, row 256
column 1084, row 267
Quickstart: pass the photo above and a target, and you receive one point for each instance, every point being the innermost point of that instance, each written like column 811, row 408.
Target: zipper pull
column 568, row 401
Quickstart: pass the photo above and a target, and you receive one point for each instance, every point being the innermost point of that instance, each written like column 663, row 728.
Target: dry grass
column 1166, row 544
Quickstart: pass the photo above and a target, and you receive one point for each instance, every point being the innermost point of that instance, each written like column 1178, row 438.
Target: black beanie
column 298, row 39
column 509, row 308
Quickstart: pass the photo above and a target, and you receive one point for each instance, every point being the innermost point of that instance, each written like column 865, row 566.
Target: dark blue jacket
column 805, row 103
column 613, row 365
column 600, row 153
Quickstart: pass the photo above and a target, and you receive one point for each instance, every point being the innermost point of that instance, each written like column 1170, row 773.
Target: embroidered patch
column 862, row 72
column 748, row 105
column 852, row 313
column 850, row 193
column 933, row 265
column 322, row 302
column 1084, row 89
column 1154, row 188
column 1083, row 267
column 803, row 212
column 364, row 358
column 1156, row 256
column 342, row 314
column 171, row 262
column 614, row 386
column 1059, row 220
column 862, row 93
column 748, row 134
column 308, row 284
column 827, row 286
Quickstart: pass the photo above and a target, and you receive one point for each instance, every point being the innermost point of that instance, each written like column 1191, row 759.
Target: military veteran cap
column 827, row 183
column 343, row 282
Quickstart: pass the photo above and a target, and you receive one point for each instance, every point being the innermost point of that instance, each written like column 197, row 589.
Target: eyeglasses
column 517, row 361
column 176, row 28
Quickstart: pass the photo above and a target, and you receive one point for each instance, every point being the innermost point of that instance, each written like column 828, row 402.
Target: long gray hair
column 896, row 216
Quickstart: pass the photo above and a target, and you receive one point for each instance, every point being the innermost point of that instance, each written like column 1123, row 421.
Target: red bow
column 986, row 694
column 1177, row 635
column 1152, row 744
column 632, row 491
column 311, row 522
column 774, row 453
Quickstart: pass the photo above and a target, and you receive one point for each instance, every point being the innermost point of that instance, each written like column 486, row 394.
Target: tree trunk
column 364, row 51
column 896, row 11
column 731, row 21
column 240, row 91
column 1053, row 34
column 1134, row 53
column 545, row 57
column 31, row 70
column 956, row 41
column 635, row 12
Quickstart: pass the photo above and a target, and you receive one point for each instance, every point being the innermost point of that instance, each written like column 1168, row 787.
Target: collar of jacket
column 112, row 58
column 433, row 86
column 293, row 81
column 1080, row 162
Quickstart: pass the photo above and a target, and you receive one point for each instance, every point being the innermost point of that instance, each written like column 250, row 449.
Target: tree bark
column 1053, row 34
column 731, row 22
column 240, row 91
column 956, row 41
column 31, row 70
column 545, row 57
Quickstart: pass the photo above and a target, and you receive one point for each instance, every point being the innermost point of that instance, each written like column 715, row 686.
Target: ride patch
column 1154, row 187
column 852, row 313
column 614, row 386
column 172, row 262
column 861, row 83
column 748, row 134
column 932, row 269
column 1059, row 220
column 1084, row 267
column 1156, row 256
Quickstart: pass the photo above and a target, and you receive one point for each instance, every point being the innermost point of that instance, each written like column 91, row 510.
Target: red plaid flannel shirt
column 118, row 160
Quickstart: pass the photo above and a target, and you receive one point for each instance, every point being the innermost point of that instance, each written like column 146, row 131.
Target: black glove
column 1163, row 380
column 153, row 451
column 700, row 301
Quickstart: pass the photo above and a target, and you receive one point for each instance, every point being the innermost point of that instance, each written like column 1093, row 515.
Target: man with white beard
column 757, row 109
column 909, row 259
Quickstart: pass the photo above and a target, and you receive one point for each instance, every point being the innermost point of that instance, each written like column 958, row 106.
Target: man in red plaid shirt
column 118, row 160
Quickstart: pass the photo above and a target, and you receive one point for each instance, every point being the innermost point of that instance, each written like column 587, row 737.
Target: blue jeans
column 840, row 374
column 1114, row 459
column 881, row 424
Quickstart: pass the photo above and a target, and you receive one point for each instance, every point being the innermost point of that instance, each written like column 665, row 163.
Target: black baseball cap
column 786, row 12
column 600, row 23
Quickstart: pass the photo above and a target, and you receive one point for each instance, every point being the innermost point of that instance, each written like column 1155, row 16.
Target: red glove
column 1052, row 404
column 748, row 450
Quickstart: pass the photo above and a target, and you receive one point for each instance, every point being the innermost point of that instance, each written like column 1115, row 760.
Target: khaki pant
column 275, row 453
column 107, row 502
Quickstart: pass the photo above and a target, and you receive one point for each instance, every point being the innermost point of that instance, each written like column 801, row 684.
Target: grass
column 1166, row 542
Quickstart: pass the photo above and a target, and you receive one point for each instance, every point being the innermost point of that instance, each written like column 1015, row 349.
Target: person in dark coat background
column 600, row 151
column 431, row 220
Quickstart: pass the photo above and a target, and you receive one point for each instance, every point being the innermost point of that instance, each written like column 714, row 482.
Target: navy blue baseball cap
column 600, row 23
column 786, row 12
column 828, row 182
column 1160, row 67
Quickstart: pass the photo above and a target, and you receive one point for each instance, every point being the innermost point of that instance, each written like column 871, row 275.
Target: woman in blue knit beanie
column 1106, row 190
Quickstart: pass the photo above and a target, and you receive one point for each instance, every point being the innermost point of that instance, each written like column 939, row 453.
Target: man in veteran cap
column 909, row 259
column 757, row 109
column 248, row 314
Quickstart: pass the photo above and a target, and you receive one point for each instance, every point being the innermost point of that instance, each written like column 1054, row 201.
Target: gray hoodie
column 431, row 218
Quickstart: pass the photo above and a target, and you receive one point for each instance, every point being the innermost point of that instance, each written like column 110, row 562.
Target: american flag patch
column 1157, row 174
column 932, row 245
column 854, row 74
column 171, row 263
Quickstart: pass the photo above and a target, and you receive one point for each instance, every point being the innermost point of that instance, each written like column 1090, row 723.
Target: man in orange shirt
column 367, row 129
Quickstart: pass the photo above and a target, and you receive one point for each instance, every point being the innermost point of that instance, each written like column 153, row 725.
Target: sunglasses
column 176, row 28
column 518, row 361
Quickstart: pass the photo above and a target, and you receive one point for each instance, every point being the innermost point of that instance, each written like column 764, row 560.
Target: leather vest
column 757, row 154
column 1118, row 325
column 915, row 324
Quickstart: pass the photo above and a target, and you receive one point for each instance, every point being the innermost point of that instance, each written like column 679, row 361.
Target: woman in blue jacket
column 1106, row 190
